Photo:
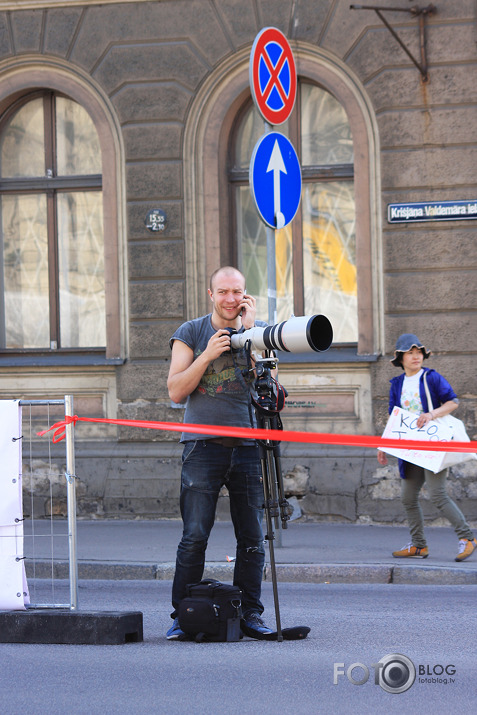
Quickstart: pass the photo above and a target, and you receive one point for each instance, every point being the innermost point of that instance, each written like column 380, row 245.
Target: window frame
column 50, row 186
column 24, row 78
column 208, row 220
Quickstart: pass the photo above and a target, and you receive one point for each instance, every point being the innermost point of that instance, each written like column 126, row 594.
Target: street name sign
column 432, row 211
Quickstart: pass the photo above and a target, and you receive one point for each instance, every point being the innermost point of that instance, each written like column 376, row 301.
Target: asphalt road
column 433, row 626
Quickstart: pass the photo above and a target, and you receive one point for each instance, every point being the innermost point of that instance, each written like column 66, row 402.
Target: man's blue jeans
column 206, row 467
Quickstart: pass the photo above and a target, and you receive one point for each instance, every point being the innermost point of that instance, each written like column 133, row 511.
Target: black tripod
column 269, row 400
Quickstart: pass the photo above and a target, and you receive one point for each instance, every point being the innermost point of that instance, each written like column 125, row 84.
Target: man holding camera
column 214, row 382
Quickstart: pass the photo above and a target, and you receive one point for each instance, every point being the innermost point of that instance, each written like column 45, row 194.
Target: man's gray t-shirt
column 220, row 398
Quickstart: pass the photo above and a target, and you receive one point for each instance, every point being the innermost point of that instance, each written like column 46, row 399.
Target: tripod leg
column 274, row 502
column 267, row 476
column 285, row 509
column 270, row 506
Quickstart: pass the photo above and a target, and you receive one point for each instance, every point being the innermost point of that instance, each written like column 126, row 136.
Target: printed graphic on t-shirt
column 410, row 395
column 220, row 377
column 411, row 403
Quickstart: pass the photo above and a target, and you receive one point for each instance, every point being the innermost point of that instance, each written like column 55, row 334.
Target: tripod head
column 270, row 394
column 269, row 400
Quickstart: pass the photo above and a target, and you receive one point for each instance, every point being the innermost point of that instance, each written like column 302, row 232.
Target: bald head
column 229, row 271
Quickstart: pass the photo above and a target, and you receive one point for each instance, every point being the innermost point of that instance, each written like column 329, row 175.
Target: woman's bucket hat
column 405, row 342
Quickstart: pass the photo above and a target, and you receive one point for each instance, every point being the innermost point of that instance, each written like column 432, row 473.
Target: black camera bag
column 211, row 611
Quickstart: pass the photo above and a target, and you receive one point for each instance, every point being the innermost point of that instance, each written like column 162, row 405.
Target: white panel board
column 13, row 585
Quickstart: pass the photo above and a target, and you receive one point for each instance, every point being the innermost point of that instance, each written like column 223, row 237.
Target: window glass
column 251, row 128
column 25, row 272
column 253, row 258
column 52, row 243
column 325, row 131
column 23, row 142
column 78, row 150
column 329, row 255
column 321, row 239
column 81, row 269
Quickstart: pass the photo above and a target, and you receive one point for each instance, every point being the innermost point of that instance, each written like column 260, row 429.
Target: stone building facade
column 150, row 104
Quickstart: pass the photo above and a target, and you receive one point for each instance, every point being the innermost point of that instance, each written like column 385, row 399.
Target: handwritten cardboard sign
column 403, row 425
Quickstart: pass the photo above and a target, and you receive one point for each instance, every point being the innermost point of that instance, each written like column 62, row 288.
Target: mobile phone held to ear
column 245, row 293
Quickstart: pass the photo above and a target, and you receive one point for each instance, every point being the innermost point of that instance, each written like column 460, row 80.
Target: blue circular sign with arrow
column 275, row 179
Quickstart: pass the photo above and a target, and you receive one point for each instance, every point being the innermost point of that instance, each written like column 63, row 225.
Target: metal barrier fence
column 45, row 539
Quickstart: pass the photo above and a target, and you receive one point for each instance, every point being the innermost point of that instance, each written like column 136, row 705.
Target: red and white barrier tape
column 349, row 440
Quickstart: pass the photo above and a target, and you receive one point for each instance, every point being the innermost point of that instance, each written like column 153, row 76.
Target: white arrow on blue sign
column 275, row 179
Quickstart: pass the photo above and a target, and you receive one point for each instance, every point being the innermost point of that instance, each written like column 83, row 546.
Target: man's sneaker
column 253, row 626
column 412, row 552
column 175, row 632
column 466, row 549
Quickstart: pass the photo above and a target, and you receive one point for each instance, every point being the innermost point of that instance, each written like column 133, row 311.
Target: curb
column 298, row 573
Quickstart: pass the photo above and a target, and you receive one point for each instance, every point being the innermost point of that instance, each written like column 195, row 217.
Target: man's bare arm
column 185, row 372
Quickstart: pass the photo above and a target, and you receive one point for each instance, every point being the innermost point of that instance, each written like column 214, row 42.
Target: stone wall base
column 131, row 480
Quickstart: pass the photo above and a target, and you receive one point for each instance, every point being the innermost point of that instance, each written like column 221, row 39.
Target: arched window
column 329, row 258
column 334, row 130
column 316, row 253
column 52, row 265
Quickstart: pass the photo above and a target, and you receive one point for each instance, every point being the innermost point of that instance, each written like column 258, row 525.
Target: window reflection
column 253, row 258
column 81, row 270
column 329, row 260
column 323, row 232
column 22, row 142
column 251, row 129
column 52, row 292
column 25, row 272
column 78, row 150
column 325, row 131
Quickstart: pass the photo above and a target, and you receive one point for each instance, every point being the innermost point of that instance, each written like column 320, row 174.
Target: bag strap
column 430, row 406
column 204, row 588
column 240, row 375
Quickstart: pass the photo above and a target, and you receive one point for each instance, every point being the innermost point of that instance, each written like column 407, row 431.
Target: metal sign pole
column 277, row 198
column 272, row 277
column 277, row 201
column 271, row 265
column 272, row 319
column 71, row 504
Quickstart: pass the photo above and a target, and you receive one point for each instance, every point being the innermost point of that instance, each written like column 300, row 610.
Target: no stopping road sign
column 273, row 75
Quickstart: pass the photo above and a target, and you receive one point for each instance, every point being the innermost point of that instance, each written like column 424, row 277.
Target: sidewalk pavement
column 305, row 552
